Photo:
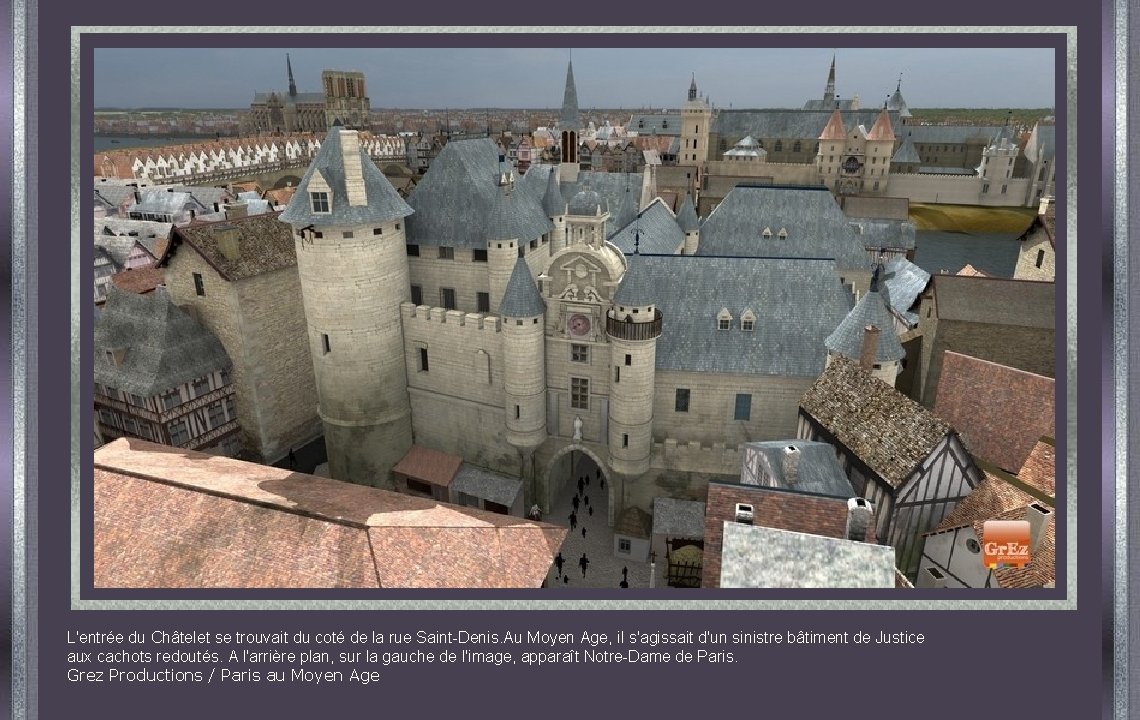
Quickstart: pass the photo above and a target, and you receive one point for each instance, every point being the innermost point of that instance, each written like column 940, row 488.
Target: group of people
column 581, row 503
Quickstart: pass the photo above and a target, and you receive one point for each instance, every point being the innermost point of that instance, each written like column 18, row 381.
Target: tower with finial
column 696, row 124
column 569, row 122
column 524, row 355
column 690, row 224
column 352, row 262
column 998, row 158
column 633, row 324
column 292, row 82
column 879, row 145
column 867, row 335
column 829, row 90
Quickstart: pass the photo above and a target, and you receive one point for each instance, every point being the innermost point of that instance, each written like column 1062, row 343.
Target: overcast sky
column 605, row 77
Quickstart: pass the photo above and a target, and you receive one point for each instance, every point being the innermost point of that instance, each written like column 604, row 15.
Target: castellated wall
column 457, row 402
column 958, row 190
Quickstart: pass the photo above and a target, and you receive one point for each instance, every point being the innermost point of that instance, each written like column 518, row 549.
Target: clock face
column 579, row 324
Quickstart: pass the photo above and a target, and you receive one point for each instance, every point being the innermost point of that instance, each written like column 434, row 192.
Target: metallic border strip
column 705, row 603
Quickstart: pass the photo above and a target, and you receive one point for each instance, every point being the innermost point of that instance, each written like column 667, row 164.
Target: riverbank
column 971, row 219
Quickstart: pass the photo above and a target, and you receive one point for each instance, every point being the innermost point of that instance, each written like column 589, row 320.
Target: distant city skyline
column 631, row 78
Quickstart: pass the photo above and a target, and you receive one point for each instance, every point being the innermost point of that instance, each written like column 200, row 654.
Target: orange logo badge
column 1005, row 543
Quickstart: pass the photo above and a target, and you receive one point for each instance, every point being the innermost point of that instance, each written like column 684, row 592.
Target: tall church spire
column 693, row 88
column 829, row 91
column 292, row 83
column 569, row 119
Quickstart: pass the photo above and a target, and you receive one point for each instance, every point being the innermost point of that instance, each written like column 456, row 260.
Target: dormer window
column 724, row 319
column 767, row 233
column 115, row 355
column 748, row 321
column 783, row 234
column 319, row 201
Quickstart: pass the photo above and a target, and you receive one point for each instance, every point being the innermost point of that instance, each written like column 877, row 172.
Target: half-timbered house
column 909, row 463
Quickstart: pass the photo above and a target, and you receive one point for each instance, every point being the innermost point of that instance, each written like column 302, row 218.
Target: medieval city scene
column 348, row 333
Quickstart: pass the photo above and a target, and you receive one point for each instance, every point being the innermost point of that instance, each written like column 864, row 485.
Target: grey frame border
column 1124, row 474
column 1069, row 602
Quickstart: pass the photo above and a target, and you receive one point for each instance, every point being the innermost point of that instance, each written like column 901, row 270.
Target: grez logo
column 1005, row 543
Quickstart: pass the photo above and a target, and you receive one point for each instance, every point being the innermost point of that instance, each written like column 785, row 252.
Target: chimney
column 931, row 577
column 236, row 210
column 1039, row 517
column 229, row 241
column 353, row 172
column 870, row 346
column 859, row 514
column 791, row 464
column 743, row 514
column 1044, row 206
column 138, row 196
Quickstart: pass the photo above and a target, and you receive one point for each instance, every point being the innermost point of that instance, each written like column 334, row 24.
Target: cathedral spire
column 292, row 84
column 693, row 88
column 829, row 91
column 569, row 118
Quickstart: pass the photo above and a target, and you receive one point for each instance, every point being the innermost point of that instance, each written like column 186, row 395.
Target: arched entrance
column 563, row 470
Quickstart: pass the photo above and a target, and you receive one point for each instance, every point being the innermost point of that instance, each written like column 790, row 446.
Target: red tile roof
column 881, row 130
column 999, row 411
column 1040, row 468
column 834, row 128
column 139, row 280
column 431, row 466
column 174, row 518
column 1042, row 567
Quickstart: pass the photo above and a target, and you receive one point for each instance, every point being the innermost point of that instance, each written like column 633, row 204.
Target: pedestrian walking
column 624, row 569
column 602, row 483
column 584, row 562
column 587, row 499
column 598, row 473
column 292, row 459
column 623, row 583
column 566, row 579
column 574, row 502
column 573, row 521
column 581, row 485
column 558, row 563
column 591, row 510
column 583, row 532
column 587, row 481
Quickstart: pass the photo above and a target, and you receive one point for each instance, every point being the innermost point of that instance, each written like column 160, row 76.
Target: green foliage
column 1025, row 117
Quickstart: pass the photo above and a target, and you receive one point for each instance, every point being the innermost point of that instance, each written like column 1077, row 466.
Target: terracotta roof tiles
column 431, row 466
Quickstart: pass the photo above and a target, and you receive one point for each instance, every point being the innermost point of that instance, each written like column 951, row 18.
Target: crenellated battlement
column 719, row 458
column 420, row 315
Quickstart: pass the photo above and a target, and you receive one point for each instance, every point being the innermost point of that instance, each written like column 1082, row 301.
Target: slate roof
column 165, row 347
column 817, row 227
column 660, row 123
column 205, row 196
column 884, row 233
column 552, row 201
column 952, row 134
column 811, row 468
column 454, row 199
column 301, row 98
column 639, row 287
column 885, row 429
column 621, row 191
column 907, row 152
column 570, row 118
column 266, row 245
column 1001, row 412
column 687, row 216
column 902, row 281
column 797, row 304
column 384, row 203
column 521, row 298
column 760, row 557
column 787, row 124
column 897, row 103
column 487, row 485
column 678, row 518
column 587, row 202
column 178, row 518
column 847, row 340
column 114, row 195
column 159, row 202
column 657, row 229
column 936, row 170
column 999, row 301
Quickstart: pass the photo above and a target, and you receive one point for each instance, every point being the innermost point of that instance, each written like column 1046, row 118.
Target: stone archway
column 551, row 487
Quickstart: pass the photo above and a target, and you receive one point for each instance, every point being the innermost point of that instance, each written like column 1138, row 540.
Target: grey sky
column 605, row 77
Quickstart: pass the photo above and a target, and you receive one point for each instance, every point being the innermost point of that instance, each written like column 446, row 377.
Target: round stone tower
column 690, row 225
column 555, row 208
column 524, row 352
column 502, row 244
column 351, row 258
column 633, row 325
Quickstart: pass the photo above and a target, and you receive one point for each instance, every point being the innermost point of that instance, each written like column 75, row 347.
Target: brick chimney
column 229, row 241
column 791, row 464
column 870, row 347
column 1039, row 518
column 859, row 514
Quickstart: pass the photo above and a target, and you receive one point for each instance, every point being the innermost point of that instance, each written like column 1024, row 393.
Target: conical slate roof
column 383, row 202
column 164, row 346
column 907, row 152
column 521, row 298
column 897, row 103
column 506, row 221
column 687, row 217
column 636, row 289
column 552, row 201
column 569, row 119
column 847, row 340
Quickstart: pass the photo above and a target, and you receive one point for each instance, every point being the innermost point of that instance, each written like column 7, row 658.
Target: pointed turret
column 522, row 298
column 524, row 379
column 633, row 325
column 906, row 156
column 897, row 103
column 869, row 323
column 552, row 201
column 693, row 88
column 881, row 130
column 834, row 129
column 690, row 224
